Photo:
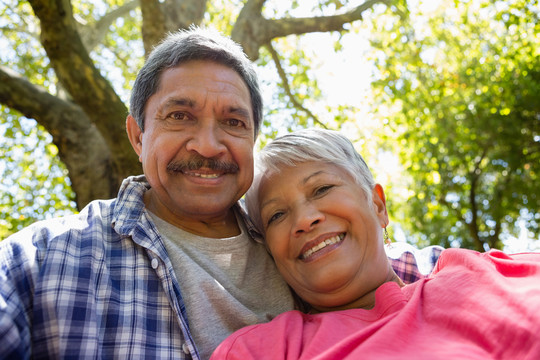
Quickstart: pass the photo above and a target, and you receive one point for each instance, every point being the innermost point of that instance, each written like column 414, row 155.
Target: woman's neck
column 366, row 301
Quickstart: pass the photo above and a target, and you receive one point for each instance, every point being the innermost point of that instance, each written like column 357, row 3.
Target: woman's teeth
column 322, row 244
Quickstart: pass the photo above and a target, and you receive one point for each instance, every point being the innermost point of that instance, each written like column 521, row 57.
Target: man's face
column 197, row 147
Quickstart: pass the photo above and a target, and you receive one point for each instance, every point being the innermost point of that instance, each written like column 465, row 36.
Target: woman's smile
column 324, row 231
column 321, row 246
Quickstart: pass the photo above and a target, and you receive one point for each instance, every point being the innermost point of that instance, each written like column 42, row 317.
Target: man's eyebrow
column 240, row 111
column 234, row 110
column 179, row 102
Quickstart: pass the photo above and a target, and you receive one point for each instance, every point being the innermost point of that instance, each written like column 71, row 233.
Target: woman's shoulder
column 272, row 338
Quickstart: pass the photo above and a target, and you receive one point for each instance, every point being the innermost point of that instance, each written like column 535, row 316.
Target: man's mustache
column 197, row 162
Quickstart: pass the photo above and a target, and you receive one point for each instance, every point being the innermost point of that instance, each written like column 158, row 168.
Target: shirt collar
column 129, row 209
column 129, row 204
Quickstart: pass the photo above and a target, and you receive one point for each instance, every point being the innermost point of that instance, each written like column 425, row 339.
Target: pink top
column 473, row 306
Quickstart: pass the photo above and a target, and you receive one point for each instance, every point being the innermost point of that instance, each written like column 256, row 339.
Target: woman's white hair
column 305, row 146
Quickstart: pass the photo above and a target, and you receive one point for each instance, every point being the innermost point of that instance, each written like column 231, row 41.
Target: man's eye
column 234, row 123
column 178, row 116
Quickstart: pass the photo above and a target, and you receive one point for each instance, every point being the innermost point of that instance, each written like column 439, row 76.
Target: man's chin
column 202, row 206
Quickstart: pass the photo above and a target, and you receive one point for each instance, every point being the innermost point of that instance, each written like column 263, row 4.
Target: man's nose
column 306, row 218
column 206, row 141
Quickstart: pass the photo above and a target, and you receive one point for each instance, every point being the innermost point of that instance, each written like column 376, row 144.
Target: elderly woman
column 323, row 215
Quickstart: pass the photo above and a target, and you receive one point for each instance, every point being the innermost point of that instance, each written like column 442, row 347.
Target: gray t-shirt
column 226, row 283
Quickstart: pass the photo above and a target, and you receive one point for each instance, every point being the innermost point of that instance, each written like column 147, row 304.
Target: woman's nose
column 306, row 219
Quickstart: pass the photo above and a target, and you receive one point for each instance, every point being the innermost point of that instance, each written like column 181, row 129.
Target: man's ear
column 134, row 134
column 379, row 203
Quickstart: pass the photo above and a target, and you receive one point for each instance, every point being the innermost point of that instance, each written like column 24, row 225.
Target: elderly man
column 169, row 268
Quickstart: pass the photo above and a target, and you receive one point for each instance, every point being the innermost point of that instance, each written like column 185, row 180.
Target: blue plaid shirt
column 98, row 284
column 412, row 264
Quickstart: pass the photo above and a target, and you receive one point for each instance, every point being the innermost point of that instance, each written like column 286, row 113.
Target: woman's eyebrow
column 315, row 174
column 304, row 181
column 266, row 203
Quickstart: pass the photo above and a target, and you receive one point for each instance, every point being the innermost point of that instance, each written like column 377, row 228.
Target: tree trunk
column 89, row 128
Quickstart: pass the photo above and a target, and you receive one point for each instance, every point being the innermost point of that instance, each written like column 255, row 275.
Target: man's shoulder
column 411, row 263
column 62, row 240
column 97, row 214
column 254, row 234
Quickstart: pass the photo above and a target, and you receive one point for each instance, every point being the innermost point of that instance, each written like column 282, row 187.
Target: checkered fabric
column 99, row 284
column 94, row 285
column 412, row 264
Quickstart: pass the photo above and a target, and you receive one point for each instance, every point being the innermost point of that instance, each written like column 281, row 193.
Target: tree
column 457, row 93
column 73, row 62
column 463, row 96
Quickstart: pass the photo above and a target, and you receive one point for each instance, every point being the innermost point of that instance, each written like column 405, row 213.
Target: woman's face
column 325, row 237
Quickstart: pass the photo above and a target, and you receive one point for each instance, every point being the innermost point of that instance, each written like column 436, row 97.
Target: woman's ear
column 379, row 202
column 134, row 133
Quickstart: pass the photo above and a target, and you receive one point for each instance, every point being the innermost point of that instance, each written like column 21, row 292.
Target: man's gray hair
column 304, row 146
column 194, row 44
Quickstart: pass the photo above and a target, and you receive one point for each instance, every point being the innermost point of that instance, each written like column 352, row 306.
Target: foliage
column 31, row 189
column 461, row 90
column 457, row 89
column 36, row 161
column 34, row 183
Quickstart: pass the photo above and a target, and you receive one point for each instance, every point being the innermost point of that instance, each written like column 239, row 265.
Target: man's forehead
column 204, row 80
column 207, row 67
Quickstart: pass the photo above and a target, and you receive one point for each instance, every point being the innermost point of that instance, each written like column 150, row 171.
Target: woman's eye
column 323, row 189
column 274, row 217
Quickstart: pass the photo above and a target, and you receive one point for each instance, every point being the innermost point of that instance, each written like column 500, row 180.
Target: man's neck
column 221, row 226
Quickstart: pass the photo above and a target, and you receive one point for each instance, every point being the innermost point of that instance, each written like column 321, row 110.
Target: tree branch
column 78, row 75
column 455, row 210
column 93, row 34
column 254, row 5
column 170, row 16
column 19, row 30
column 252, row 30
column 296, row 26
column 181, row 14
column 287, row 88
column 153, row 24
column 473, row 226
column 80, row 145
column 497, row 212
